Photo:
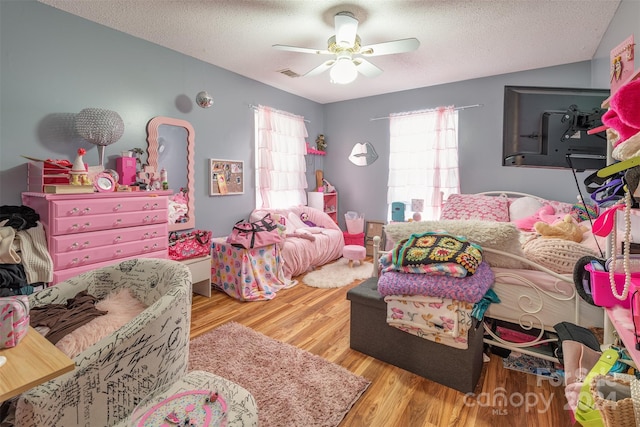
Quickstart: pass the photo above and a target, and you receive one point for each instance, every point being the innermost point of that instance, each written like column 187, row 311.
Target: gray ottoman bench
column 370, row 334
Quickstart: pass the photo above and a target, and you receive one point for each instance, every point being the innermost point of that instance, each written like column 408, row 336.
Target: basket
column 612, row 397
column 601, row 287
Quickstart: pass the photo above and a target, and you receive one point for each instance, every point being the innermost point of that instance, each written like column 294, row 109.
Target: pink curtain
column 280, row 150
column 423, row 159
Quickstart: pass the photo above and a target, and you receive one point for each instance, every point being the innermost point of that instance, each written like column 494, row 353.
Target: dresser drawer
column 96, row 206
column 100, row 254
column 82, row 241
column 111, row 221
column 62, row 275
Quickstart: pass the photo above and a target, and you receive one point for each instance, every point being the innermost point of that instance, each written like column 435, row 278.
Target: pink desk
column 247, row 274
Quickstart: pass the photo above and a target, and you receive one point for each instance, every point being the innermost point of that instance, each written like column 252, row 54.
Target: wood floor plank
column 317, row 320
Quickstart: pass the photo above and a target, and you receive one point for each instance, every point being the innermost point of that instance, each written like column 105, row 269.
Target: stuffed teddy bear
column 565, row 229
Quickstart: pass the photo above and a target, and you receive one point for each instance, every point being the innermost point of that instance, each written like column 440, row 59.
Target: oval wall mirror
column 171, row 146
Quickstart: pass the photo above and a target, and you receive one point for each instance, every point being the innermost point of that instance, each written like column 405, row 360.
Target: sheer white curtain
column 423, row 159
column 281, row 179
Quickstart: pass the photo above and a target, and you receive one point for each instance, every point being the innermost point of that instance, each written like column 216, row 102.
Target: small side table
column 200, row 274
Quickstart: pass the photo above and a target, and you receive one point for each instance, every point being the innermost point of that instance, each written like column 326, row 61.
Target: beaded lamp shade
column 99, row 127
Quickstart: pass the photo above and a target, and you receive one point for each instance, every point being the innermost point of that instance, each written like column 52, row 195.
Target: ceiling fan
column 349, row 53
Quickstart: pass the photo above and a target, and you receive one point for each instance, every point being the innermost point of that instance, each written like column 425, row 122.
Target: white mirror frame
column 152, row 150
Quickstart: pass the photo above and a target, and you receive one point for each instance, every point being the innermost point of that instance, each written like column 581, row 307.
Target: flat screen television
column 547, row 127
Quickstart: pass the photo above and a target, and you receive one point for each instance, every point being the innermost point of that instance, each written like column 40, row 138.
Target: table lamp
column 417, row 206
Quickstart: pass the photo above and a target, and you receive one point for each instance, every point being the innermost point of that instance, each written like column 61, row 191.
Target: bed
column 533, row 277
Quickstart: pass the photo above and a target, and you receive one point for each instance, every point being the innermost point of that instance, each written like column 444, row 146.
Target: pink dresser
column 88, row 231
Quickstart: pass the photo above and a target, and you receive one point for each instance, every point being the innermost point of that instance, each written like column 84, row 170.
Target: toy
column 320, row 143
column 527, row 223
column 328, row 188
column 565, row 229
column 78, row 175
column 305, row 218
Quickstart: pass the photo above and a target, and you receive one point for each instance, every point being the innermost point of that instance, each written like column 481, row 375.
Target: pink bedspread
column 318, row 246
column 468, row 289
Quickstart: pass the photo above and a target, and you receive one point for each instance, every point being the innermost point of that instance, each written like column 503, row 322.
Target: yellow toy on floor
column 565, row 229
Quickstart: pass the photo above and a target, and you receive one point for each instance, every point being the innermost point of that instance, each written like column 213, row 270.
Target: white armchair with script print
column 113, row 375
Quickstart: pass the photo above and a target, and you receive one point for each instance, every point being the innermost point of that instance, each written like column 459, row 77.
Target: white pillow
column 523, row 207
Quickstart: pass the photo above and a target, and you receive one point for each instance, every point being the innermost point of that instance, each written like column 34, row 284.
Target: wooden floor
column 317, row 320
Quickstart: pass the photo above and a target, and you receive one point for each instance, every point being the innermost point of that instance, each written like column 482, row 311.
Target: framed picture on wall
column 226, row 177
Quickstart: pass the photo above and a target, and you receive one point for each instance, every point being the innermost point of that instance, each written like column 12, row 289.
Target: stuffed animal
column 305, row 218
column 566, row 229
column 527, row 223
column 320, row 143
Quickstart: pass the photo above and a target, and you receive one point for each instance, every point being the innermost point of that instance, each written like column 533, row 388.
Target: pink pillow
column 526, row 224
column 476, row 206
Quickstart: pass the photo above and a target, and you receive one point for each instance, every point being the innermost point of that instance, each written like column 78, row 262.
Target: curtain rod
column 431, row 109
column 255, row 107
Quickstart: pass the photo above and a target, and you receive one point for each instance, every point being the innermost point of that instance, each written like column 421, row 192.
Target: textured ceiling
column 460, row 40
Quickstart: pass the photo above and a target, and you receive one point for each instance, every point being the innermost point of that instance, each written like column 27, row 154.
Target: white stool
column 354, row 253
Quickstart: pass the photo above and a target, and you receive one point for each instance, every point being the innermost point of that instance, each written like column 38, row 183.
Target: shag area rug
column 292, row 387
column 337, row 274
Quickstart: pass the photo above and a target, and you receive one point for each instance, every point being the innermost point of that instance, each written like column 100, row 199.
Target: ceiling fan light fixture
column 346, row 28
column 343, row 72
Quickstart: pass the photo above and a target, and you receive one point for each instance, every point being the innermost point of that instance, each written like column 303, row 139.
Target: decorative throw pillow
column 557, row 255
column 476, row 206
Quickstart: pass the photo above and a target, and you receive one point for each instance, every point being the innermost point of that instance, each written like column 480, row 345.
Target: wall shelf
column 315, row 152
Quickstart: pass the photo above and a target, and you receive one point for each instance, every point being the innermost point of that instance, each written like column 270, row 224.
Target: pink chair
column 354, row 253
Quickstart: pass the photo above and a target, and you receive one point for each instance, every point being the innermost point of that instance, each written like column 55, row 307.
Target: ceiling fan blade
column 301, row 49
column 386, row 48
column 320, row 68
column 367, row 68
column 346, row 29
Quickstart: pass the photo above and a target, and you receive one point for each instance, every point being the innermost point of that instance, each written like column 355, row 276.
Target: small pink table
column 247, row 274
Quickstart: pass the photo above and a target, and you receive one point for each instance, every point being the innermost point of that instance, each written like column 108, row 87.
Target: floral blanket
column 441, row 320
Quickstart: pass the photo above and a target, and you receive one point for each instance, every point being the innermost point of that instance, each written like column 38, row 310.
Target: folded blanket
column 436, row 253
column 444, row 321
column 469, row 289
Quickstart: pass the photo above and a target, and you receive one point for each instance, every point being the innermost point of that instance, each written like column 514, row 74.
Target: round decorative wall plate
column 104, row 182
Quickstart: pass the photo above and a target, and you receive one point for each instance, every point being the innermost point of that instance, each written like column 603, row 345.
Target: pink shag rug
column 292, row 387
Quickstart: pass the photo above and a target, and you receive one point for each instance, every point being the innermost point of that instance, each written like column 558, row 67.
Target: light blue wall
column 54, row 64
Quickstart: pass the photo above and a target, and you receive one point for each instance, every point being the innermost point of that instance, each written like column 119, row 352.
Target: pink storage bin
column 601, row 287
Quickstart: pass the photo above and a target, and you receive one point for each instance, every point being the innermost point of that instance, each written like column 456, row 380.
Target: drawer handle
column 117, row 207
column 145, row 236
column 118, row 221
column 155, row 206
column 117, row 239
column 85, row 244
column 119, row 251
column 74, row 211
column 155, row 234
column 74, row 245
column 155, row 218
column 146, row 219
column 146, row 206
column 86, row 225
column 86, row 211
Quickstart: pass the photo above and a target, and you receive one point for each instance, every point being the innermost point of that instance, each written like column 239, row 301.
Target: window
column 423, row 160
column 281, row 179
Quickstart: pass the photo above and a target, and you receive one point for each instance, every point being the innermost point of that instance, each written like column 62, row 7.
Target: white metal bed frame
column 531, row 304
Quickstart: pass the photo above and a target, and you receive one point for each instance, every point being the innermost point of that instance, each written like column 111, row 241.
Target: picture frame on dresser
column 226, row 177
